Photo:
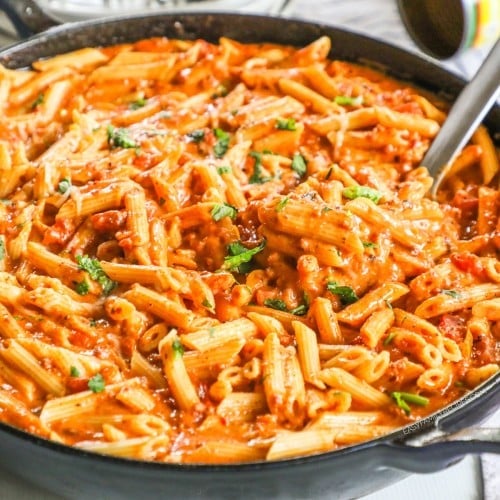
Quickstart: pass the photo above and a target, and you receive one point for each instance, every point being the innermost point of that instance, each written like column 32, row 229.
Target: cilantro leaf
column 451, row 293
column 119, row 138
column 93, row 267
column 178, row 348
column 257, row 176
column 369, row 244
column 299, row 310
column 240, row 255
column 344, row 100
column 286, row 124
column 299, row 164
column 389, row 338
column 39, row 100
column 403, row 398
column 278, row 304
column 222, row 210
column 138, row 103
column 353, row 192
column 207, row 304
column 281, row 204
column 82, row 288
column 74, row 371
column 345, row 293
column 64, row 185
column 96, row 383
column 222, row 144
column 224, row 170
column 196, row 135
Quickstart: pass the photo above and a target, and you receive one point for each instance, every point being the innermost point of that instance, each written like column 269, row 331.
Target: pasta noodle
column 220, row 253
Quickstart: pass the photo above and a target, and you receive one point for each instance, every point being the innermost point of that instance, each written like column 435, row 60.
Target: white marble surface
column 377, row 18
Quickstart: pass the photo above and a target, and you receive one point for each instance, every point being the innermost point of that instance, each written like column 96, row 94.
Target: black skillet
column 429, row 445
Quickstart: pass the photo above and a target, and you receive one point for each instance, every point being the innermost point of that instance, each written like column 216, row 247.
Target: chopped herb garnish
column 74, row 371
column 257, row 176
column 299, row 310
column 2, row 249
column 196, row 135
column 39, row 100
column 389, row 338
column 286, row 124
column 93, row 267
column 240, row 255
column 178, row 348
column 222, row 210
column 369, row 244
column 403, row 398
column 222, row 144
column 224, row 170
column 93, row 323
column 280, row 305
column 326, row 209
column 119, row 138
column 451, row 293
column 299, row 164
column 96, row 383
column 64, row 185
column 282, row 204
column 221, row 91
column 345, row 293
column 276, row 304
column 353, row 192
column 138, row 103
column 344, row 100
column 82, row 288
column 161, row 201
column 206, row 303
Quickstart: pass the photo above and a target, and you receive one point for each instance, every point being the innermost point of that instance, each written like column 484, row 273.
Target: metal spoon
column 472, row 104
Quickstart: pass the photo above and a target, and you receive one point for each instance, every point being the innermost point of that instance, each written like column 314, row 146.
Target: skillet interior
column 354, row 471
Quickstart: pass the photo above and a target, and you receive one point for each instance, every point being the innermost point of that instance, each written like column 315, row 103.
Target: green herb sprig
column 353, row 192
column 95, row 271
column 96, row 383
column 403, row 398
column 239, row 256
column 119, row 138
column 346, row 294
column 222, row 144
column 222, row 210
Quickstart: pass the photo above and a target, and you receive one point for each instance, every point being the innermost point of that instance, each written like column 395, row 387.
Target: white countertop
column 377, row 18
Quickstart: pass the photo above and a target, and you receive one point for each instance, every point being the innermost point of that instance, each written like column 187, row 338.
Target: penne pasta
column 226, row 252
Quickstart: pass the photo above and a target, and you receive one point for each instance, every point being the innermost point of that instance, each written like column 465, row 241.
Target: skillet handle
column 27, row 17
column 442, row 451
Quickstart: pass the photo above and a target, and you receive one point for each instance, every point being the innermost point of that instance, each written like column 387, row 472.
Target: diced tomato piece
column 59, row 233
column 469, row 263
column 77, row 384
column 452, row 327
column 109, row 221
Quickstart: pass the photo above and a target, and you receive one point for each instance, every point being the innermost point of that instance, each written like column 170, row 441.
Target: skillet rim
column 455, row 83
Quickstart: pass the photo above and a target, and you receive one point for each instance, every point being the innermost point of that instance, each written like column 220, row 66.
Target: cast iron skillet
column 426, row 446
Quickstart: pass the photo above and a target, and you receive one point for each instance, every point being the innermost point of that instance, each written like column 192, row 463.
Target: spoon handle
column 464, row 117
